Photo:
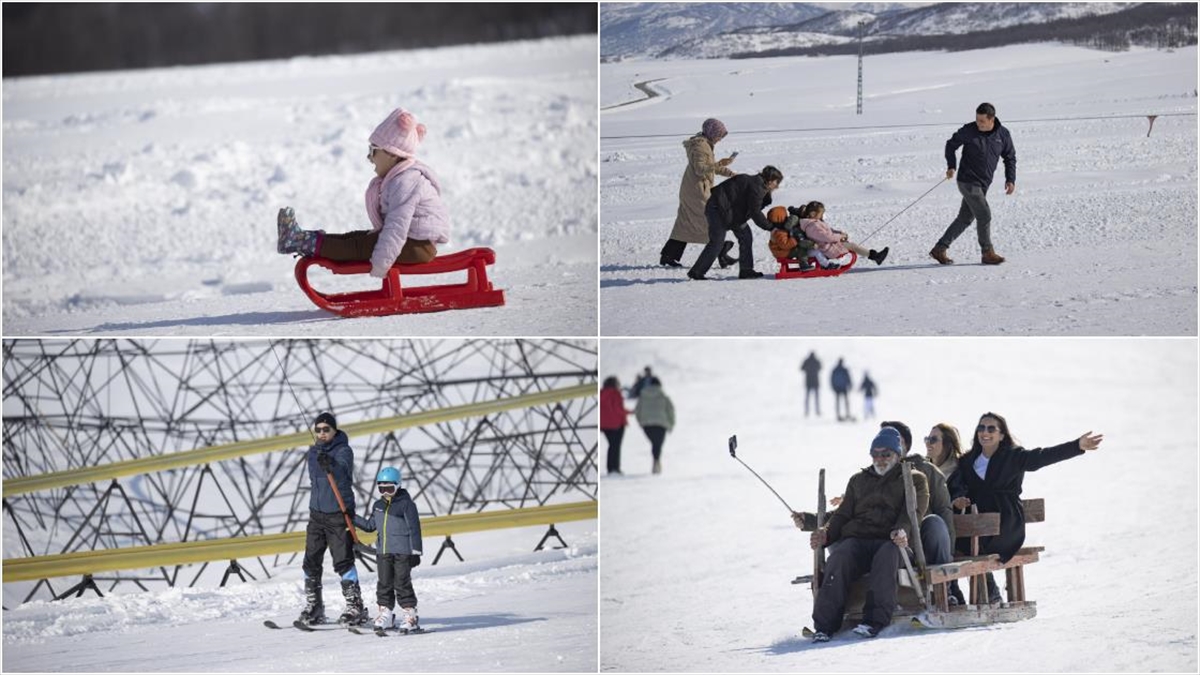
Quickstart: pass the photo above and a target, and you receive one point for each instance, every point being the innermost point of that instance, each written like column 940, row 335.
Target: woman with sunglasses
column 992, row 473
column 404, row 204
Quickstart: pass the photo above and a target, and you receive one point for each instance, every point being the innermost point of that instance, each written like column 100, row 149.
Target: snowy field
column 696, row 563
column 503, row 610
column 1100, row 236
column 144, row 202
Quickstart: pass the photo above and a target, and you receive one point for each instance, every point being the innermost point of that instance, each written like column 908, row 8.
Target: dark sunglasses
column 930, row 440
column 387, row 488
column 990, row 428
column 880, row 453
column 324, row 430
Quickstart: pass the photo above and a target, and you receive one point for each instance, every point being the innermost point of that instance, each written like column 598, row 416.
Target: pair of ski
column 309, row 628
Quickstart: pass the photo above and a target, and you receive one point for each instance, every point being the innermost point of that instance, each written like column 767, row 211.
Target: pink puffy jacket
column 827, row 241
column 410, row 203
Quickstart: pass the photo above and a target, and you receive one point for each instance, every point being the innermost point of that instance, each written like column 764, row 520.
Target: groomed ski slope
column 503, row 610
column 697, row 562
column 1100, row 236
column 144, row 202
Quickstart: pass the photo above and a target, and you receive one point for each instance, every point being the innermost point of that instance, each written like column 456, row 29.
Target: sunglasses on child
column 387, row 488
column 990, row 428
column 323, row 429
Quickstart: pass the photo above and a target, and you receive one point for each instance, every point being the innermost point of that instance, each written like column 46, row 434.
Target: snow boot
column 940, row 254
column 990, row 257
column 820, row 636
column 956, row 594
column 696, row 277
column 354, row 614
column 993, row 591
column 723, row 258
column 667, row 262
column 878, row 256
column 314, row 608
column 407, row 621
column 749, row 274
column 866, row 630
column 292, row 239
column 385, row 619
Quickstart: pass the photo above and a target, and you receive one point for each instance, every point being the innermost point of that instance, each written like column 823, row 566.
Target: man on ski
column 984, row 142
column 873, row 529
column 330, row 456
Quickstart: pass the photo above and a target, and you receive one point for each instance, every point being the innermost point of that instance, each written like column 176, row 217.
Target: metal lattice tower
column 69, row 404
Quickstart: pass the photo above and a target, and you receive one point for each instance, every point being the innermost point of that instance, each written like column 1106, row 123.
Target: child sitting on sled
column 787, row 241
column 404, row 204
column 831, row 246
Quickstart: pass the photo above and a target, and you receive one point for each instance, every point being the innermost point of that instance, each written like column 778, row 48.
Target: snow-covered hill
column 503, row 610
column 144, row 202
column 704, row 553
column 1100, row 235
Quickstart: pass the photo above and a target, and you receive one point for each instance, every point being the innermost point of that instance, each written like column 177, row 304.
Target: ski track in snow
column 1100, row 236
column 510, row 612
column 144, row 202
column 705, row 554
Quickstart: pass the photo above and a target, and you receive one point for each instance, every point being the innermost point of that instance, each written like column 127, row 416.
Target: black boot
column 355, row 614
column 956, row 594
column 667, row 262
column 749, row 274
column 314, row 608
column 723, row 258
column 993, row 591
column 878, row 256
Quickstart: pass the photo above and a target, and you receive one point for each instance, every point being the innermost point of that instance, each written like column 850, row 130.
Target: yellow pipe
column 216, row 453
column 181, row 553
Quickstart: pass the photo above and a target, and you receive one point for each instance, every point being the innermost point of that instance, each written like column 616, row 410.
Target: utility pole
column 861, row 24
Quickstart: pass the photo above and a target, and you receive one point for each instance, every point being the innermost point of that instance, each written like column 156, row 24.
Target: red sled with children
column 805, row 246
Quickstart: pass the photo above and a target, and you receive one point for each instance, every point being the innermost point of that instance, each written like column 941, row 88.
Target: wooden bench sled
column 927, row 602
column 789, row 268
column 393, row 298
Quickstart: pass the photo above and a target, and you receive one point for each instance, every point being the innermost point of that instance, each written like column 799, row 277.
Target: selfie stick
column 733, row 454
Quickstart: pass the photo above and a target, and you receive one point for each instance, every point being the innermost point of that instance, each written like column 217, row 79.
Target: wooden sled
column 790, row 268
column 393, row 298
column 924, row 601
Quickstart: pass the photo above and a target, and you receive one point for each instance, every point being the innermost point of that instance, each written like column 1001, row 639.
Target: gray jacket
column 398, row 524
column 939, row 494
column 654, row 408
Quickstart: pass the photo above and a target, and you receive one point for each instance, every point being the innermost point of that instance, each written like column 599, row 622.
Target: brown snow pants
column 358, row 245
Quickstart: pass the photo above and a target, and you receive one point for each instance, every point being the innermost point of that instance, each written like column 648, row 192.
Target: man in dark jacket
column 330, row 456
column 812, row 370
column 730, row 205
column 873, row 527
column 839, row 379
column 984, row 143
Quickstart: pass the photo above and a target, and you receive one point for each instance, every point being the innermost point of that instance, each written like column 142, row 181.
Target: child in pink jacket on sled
column 832, row 245
column 404, row 203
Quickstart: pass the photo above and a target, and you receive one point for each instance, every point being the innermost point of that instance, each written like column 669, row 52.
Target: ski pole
column 939, row 183
column 733, row 454
column 349, row 523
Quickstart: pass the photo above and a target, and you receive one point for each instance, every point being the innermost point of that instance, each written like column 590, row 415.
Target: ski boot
column 354, row 614
column 314, row 608
column 407, row 622
column 385, row 619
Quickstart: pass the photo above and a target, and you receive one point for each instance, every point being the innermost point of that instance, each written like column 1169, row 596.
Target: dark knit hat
column 328, row 418
column 888, row 438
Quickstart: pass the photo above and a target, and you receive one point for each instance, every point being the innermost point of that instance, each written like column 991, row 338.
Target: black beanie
column 328, row 418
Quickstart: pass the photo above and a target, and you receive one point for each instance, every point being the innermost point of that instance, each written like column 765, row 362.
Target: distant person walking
column 812, row 371
column 640, row 380
column 612, row 422
column 731, row 205
column 656, row 414
column 694, row 191
column 984, row 143
column 868, row 390
column 839, row 379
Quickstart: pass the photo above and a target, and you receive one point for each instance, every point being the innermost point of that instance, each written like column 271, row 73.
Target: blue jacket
column 981, row 152
column 398, row 524
column 321, row 498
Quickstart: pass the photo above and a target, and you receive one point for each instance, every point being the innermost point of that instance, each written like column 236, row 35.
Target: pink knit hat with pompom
column 399, row 134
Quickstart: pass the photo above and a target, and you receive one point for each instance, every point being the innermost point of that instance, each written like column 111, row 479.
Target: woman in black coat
column 992, row 474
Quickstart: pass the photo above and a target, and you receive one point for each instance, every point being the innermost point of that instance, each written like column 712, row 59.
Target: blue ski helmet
column 388, row 474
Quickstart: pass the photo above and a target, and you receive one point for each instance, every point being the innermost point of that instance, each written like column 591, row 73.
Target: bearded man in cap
column 872, row 529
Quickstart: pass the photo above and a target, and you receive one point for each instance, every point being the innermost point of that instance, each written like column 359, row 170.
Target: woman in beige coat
column 690, row 225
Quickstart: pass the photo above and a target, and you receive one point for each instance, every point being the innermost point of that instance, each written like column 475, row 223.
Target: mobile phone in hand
column 734, row 154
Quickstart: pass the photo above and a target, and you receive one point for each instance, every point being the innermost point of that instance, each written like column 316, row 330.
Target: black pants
column 673, row 249
column 614, row 437
column 656, row 435
column 841, row 399
column 816, row 397
column 395, row 582
column 850, row 560
column 716, row 239
column 327, row 530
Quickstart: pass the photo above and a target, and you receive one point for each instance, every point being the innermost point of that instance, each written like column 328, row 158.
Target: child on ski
column 404, row 204
column 831, row 245
column 394, row 515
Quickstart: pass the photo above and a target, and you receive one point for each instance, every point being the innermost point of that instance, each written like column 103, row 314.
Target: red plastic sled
column 790, row 269
column 392, row 298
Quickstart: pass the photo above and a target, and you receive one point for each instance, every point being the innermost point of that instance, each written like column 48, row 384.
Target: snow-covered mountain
column 718, row 29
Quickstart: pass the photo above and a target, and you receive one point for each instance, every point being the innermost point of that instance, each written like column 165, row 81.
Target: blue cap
column 888, row 438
